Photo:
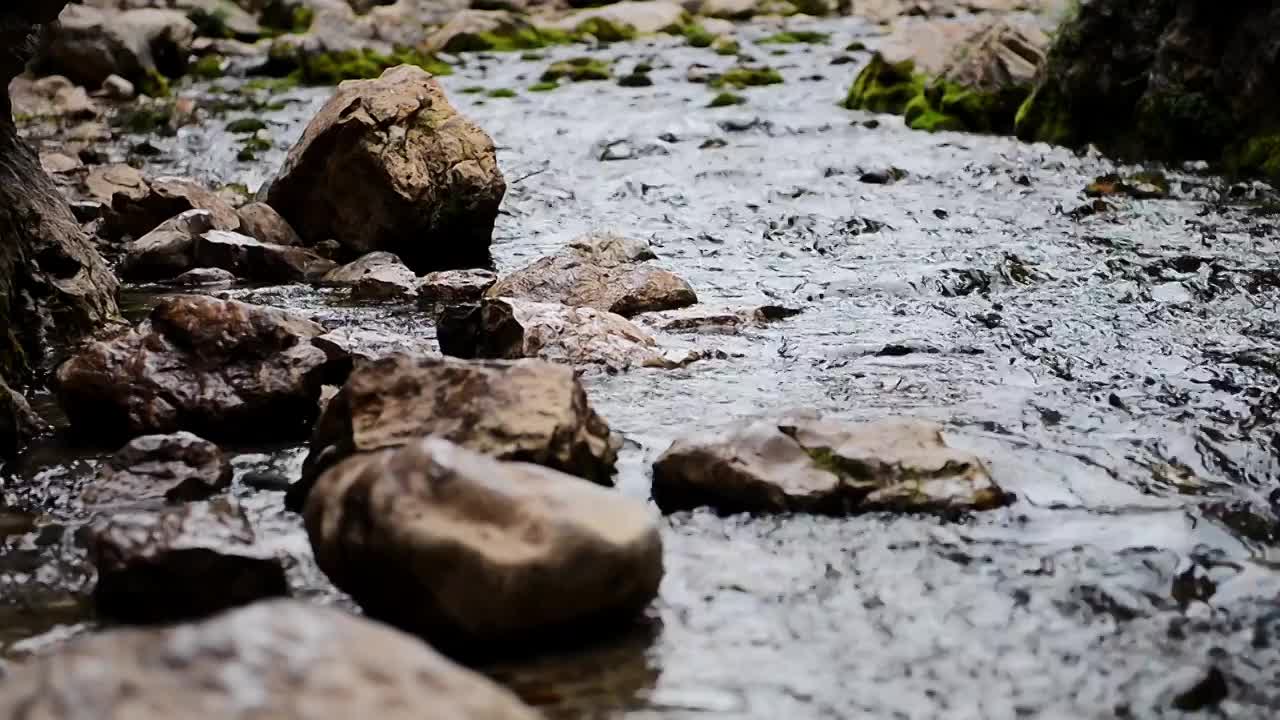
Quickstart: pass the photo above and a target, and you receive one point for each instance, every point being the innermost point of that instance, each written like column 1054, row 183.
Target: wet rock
column 596, row 272
column 805, row 464
column 18, row 422
column 1159, row 79
column 388, row 164
column 1141, row 186
column 378, row 275
column 54, row 286
column 262, row 222
column 504, row 553
column 347, row 346
column 355, row 669
column 104, row 181
column 727, row 321
column 167, row 251
column 134, row 214
column 527, row 410
column 249, row 258
column 51, row 97
column 89, row 44
column 504, row 328
column 181, row 563
column 219, row 368
column 56, row 163
column 175, row 468
column 204, row 278
column 482, row 30
column 454, row 286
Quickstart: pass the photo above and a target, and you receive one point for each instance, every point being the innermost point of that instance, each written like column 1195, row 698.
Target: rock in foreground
column 479, row 555
column 527, row 411
column 219, row 368
column 168, row 468
column 182, row 563
column 822, row 466
column 504, row 328
column 301, row 661
column 388, row 164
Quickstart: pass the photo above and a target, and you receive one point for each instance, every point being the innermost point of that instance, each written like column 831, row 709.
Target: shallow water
column 1119, row 372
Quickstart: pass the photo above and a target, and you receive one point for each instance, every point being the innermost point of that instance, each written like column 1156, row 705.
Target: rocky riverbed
column 1113, row 361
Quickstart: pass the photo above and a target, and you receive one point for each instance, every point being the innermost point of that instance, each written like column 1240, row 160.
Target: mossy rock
column 251, row 147
column 795, row 37
column 1259, row 155
column 544, row 86
column 144, row 119
column 606, row 31
column 884, row 87
column 698, row 36
column 246, row 125
column 208, row 67
column 333, row 67
column 726, row 99
column 525, row 38
column 933, row 105
column 743, row 76
column 502, row 93
column 726, row 46
column 577, row 69
column 279, row 17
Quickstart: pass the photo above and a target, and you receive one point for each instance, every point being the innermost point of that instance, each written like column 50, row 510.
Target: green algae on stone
column 155, row 84
column 524, row 38
column 698, row 36
column 604, row 30
column 145, row 119
column 246, row 125
column 331, row 68
column 884, row 87
column 208, row 67
column 1259, row 155
column 211, row 23
column 253, row 145
column 502, row 93
column 743, row 76
column 544, row 86
column 278, row 18
column 933, row 105
column 794, row 37
column 726, row 46
column 472, row 90
column 577, row 69
column 725, row 99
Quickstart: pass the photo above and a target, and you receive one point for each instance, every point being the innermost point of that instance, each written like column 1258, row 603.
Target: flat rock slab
column 802, row 464
column 479, row 555
column 277, row 659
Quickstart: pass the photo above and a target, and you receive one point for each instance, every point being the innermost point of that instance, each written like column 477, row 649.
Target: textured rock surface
column 805, row 464
column 216, row 367
column 504, row 328
column 388, row 164
column 137, row 213
column 88, row 44
column 168, row 250
column 169, row 468
column 181, row 563
column 526, row 410
column 249, row 258
column 479, row 555
column 378, row 275
column 262, row 222
column 302, row 661
column 454, row 286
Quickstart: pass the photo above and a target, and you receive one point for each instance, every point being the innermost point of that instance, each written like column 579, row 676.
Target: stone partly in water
column 262, row 222
column 805, row 464
column 526, row 410
column 1165, row 80
column 144, row 46
column 454, row 286
column 168, row 250
column 249, row 258
column 181, row 563
column 505, row 328
column 979, row 88
column 219, row 368
column 137, row 213
column 174, row 468
column 481, row 556
column 388, row 164
column 604, row 272
column 375, row 276
column 54, row 286
column 299, row 661
column 18, row 422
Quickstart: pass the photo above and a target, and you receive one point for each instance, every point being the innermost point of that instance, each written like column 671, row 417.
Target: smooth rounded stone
column 644, row 17
column 504, row 328
column 812, row 465
column 273, row 659
column 454, row 286
column 220, row 368
column 389, row 164
column 602, row 272
column 104, row 181
column 180, row 563
column 175, row 468
column 166, row 251
column 526, row 410
column 262, row 222
column 89, row 44
column 252, row 259
column 204, row 278
column 377, row 275
column 18, row 422
column 138, row 213
column 478, row 555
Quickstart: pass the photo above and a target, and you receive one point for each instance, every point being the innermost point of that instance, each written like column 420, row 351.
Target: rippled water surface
column 1118, row 370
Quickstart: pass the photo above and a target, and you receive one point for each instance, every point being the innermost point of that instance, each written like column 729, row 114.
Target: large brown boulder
column 181, row 563
column 54, row 287
column 526, row 410
column 388, row 164
column 806, row 464
column 605, row 272
column 479, row 555
column 219, row 368
column 278, row 659
column 1165, row 80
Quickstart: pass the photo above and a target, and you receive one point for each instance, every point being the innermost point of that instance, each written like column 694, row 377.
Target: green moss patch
column 726, row 46
column 698, row 36
column 884, row 87
column 251, row 147
column 726, row 99
column 606, row 31
column 743, row 76
column 333, row 68
column 145, row 119
column 577, row 69
column 208, row 67
column 246, row 125
column 525, row 38
column 544, row 86
column 795, row 37
column 502, row 93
